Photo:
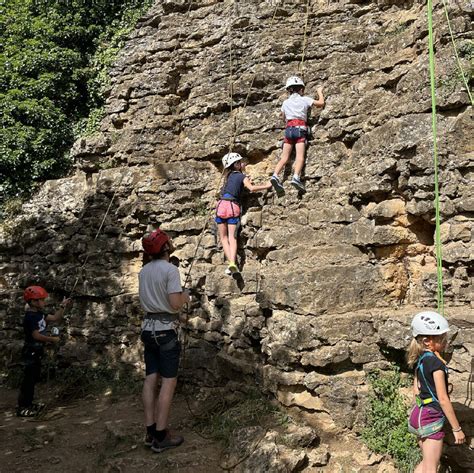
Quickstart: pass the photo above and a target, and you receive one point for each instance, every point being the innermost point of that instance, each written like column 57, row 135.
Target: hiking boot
column 295, row 182
column 278, row 186
column 170, row 441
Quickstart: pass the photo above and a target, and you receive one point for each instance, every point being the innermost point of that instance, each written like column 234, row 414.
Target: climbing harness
column 432, row 427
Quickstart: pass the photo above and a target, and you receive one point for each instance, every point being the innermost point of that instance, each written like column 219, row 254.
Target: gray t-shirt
column 296, row 107
column 156, row 280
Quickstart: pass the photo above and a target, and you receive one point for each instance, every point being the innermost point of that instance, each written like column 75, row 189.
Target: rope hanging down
column 461, row 70
column 240, row 110
column 439, row 256
column 305, row 37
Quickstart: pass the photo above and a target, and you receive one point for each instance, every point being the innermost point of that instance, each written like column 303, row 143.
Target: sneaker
column 170, row 441
column 148, row 440
column 295, row 182
column 278, row 186
column 233, row 268
column 26, row 411
column 39, row 406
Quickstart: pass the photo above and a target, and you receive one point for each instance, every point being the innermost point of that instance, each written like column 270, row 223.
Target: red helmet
column 155, row 241
column 34, row 292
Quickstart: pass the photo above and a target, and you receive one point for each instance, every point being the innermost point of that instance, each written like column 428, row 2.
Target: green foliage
column 76, row 382
column 53, row 73
column 386, row 427
column 225, row 416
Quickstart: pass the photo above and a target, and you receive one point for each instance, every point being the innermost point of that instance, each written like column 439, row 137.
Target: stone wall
column 330, row 278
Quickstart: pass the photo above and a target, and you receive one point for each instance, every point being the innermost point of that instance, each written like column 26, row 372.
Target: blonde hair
column 418, row 346
column 415, row 349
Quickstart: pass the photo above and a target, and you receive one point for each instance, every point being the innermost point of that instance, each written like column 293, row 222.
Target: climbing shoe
column 170, row 441
column 233, row 268
column 228, row 272
column 295, row 182
column 278, row 186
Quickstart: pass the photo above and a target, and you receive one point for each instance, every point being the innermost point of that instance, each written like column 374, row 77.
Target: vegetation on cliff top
column 53, row 74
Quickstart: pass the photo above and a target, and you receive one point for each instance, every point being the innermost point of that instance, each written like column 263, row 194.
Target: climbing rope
column 96, row 235
column 453, row 42
column 241, row 109
column 301, row 66
column 439, row 256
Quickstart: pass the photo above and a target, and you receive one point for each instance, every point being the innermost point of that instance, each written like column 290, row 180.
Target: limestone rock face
column 331, row 278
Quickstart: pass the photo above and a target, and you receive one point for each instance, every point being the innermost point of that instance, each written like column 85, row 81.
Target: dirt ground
column 99, row 433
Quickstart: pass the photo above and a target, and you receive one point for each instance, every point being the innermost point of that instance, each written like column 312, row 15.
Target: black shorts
column 161, row 353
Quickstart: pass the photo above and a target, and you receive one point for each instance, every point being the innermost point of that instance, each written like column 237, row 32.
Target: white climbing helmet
column 294, row 80
column 429, row 323
column 230, row 158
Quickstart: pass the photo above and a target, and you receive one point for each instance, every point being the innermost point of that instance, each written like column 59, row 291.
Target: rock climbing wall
column 331, row 278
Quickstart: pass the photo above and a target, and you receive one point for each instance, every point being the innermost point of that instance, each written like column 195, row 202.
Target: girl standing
column 228, row 208
column 430, row 387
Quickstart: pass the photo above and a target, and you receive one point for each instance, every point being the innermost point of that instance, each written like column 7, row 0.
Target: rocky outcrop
column 330, row 278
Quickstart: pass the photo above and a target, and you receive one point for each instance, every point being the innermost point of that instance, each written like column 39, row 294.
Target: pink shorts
column 428, row 415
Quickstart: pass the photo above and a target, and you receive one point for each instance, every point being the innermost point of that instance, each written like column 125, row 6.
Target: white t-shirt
column 156, row 280
column 296, row 107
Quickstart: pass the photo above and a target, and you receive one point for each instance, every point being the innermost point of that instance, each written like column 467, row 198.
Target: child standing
column 295, row 114
column 430, row 388
column 228, row 208
column 34, row 326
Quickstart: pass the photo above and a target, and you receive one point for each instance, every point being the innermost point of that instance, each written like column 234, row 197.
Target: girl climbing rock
column 430, row 387
column 228, row 208
column 294, row 112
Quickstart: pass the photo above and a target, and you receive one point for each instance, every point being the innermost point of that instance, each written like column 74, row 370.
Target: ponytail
column 415, row 349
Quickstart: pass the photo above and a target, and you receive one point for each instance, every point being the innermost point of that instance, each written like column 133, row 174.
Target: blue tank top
column 234, row 185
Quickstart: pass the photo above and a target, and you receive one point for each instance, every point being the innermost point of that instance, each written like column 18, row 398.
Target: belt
column 159, row 315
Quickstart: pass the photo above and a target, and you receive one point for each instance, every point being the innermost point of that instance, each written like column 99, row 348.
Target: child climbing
column 34, row 325
column 228, row 208
column 295, row 114
column 430, row 388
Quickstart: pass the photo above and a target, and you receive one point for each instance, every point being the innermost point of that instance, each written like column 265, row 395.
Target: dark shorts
column 428, row 415
column 230, row 221
column 296, row 131
column 162, row 354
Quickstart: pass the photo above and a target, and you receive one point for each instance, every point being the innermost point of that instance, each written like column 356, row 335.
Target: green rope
column 439, row 257
column 466, row 83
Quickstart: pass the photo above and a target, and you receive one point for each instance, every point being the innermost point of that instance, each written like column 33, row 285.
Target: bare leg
column 148, row 395
column 432, row 450
column 419, row 467
column 232, row 242
column 224, row 236
column 299, row 161
column 285, row 156
column 163, row 404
